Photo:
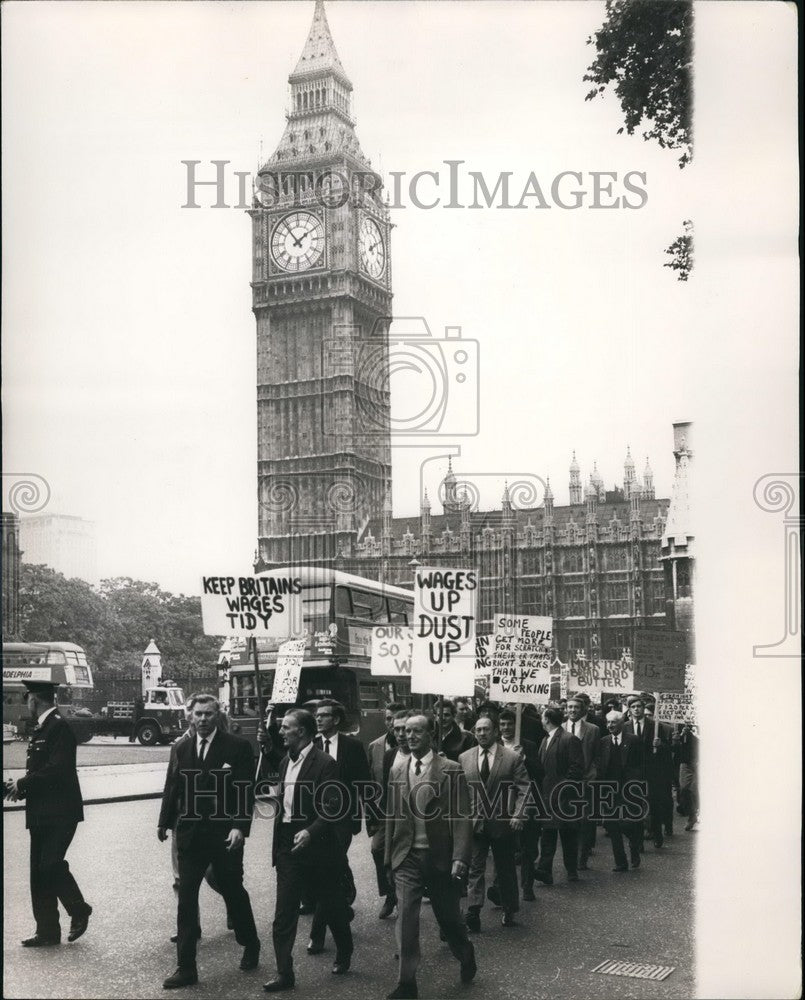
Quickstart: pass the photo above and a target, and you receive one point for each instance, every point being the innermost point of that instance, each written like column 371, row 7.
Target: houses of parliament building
column 601, row 566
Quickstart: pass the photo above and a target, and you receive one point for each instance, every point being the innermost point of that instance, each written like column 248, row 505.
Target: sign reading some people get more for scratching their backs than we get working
column 444, row 631
column 521, row 659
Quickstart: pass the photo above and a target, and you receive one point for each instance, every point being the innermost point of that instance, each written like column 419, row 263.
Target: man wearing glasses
column 353, row 773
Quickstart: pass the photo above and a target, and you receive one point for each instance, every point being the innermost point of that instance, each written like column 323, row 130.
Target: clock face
column 297, row 242
column 372, row 248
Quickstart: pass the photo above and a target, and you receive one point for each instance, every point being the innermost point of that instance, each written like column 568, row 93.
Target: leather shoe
column 473, row 919
column 468, row 967
column 636, row 861
column 340, row 966
column 315, row 948
column 508, row 920
column 182, row 977
column 404, row 991
column 251, row 957
column 572, row 876
column 658, row 841
column 79, row 924
column 621, row 868
column 175, row 937
column 493, row 895
column 387, row 908
column 40, row 942
column 279, row 984
column 528, row 893
column 543, row 877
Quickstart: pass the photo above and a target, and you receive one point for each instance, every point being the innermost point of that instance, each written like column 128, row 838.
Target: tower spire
column 319, row 56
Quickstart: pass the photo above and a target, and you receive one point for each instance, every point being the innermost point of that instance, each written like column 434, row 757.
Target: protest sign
column 444, row 631
column 289, row 669
column 252, row 605
column 593, row 677
column 392, row 650
column 659, row 660
column 677, row 706
column 521, row 659
column 483, row 661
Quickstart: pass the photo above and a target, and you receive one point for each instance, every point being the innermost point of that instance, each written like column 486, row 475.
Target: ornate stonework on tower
column 321, row 295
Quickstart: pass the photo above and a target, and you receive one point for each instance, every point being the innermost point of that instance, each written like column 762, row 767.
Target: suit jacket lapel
column 497, row 764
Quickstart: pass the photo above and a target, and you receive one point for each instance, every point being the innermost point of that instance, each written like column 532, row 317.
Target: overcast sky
column 129, row 344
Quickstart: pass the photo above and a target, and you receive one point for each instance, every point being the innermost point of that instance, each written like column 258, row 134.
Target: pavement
column 110, row 783
column 124, row 872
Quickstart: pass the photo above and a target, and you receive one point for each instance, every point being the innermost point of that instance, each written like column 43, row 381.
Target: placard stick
column 518, row 718
column 439, row 705
column 656, row 718
column 257, row 685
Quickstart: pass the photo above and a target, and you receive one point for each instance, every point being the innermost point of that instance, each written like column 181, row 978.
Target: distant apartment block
column 61, row 541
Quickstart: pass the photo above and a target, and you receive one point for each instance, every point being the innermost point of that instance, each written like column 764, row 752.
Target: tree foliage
column 116, row 622
column 681, row 252
column 645, row 50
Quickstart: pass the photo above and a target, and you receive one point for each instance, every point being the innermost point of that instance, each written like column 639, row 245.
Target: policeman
column 53, row 810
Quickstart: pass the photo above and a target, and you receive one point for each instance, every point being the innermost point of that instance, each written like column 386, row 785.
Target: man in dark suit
column 308, row 849
column 562, row 759
column 428, row 843
column 529, row 836
column 375, row 811
column 498, row 784
column 620, row 762
column 53, row 810
column 454, row 740
column 590, row 737
column 209, row 797
column 531, row 727
column 354, row 775
column 658, row 767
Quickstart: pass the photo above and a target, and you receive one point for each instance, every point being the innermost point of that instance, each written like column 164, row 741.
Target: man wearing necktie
column 620, row 762
column 209, row 797
column 53, row 810
column 498, row 784
column 658, row 768
column 308, row 846
column 354, row 775
column 562, row 759
column 590, row 736
column 428, row 846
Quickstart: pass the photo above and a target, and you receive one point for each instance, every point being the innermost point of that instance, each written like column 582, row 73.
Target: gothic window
column 617, row 599
column 573, row 599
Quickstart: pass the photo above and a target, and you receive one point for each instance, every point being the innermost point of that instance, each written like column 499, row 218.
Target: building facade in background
column 11, row 574
column 321, row 295
column 63, row 542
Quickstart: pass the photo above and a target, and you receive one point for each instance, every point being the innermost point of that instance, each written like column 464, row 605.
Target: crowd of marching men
column 438, row 792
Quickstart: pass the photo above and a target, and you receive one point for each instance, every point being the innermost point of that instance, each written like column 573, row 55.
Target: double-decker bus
column 61, row 663
column 339, row 612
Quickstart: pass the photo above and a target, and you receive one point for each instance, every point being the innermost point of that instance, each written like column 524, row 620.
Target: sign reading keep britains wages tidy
column 521, row 659
column 444, row 631
column 252, row 605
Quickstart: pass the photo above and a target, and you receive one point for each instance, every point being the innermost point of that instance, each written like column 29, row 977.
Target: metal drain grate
column 637, row 970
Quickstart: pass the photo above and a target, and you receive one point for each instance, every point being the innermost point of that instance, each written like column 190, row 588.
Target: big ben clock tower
column 321, row 295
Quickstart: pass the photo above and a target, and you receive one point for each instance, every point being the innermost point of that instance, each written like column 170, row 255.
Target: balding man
column 620, row 763
column 428, row 847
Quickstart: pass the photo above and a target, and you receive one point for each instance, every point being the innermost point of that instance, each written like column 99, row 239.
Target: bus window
column 56, row 656
column 343, row 603
column 398, row 611
column 316, row 608
column 370, row 607
column 370, row 696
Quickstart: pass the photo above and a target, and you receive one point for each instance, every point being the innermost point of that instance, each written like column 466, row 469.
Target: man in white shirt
column 498, row 783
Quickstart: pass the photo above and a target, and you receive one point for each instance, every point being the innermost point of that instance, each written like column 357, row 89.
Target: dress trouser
column 633, row 832
column 415, row 877
column 317, row 874
column 384, row 887
column 689, row 790
column 205, row 847
column 318, row 926
column 503, row 849
column 568, row 833
column 51, row 879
